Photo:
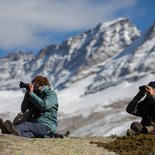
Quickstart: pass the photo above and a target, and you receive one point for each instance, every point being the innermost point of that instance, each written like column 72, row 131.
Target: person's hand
column 31, row 88
column 150, row 90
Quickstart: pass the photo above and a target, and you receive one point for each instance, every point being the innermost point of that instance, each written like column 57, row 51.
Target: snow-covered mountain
column 77, row 54
column 133, row 63
column 95, row 74
column 12, row 68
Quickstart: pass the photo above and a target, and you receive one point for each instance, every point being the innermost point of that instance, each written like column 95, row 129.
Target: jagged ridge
column 66, row 62
column 133, row 63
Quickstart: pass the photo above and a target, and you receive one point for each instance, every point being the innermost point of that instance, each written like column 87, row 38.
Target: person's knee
column 136, row 126
column 22, row 127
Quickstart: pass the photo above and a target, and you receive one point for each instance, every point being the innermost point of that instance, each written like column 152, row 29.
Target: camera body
column 142, row 88
column 24, row 85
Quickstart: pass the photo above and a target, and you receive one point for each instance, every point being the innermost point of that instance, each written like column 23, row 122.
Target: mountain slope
column 13, row 69
column 98, row 101
column 60, row 63
column 133, row 63
column 86, row 50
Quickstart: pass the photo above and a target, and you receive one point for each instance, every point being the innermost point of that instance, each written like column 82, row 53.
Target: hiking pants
column 137, row 127
column 31, row 130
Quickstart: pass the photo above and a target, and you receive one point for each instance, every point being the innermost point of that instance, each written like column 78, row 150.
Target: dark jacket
column 45, row 107
column 144, row 108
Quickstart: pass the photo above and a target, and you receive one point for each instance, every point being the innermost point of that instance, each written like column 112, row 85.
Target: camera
column 143, row 88
column 24, row 85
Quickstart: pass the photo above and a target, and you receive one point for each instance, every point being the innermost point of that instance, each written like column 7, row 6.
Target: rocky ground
column 13, row 145
column 135, row 145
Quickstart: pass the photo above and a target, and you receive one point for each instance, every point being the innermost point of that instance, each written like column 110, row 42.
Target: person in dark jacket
column 143, row 108
column 42, row 101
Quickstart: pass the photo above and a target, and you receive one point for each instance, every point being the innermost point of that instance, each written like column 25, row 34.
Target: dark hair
column 41, row 81
column 152, row 84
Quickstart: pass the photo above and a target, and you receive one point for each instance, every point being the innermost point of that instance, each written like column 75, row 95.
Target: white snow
column 107, row 24
column 10, row 103
column 72, row 102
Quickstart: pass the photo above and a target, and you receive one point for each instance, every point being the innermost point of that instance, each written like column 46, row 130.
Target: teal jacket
column 45, row 105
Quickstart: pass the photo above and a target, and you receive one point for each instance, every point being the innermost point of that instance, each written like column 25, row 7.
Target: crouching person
column 42, row 103
column 143, row 108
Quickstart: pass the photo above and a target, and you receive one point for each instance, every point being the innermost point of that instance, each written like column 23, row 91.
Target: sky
column 31, row 25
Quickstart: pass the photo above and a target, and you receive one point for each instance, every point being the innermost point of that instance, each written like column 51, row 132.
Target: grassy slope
column 138, row 145
column 13, row 145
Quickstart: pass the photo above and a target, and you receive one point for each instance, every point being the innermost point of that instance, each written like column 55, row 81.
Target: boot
column 57, row 135
column 2, row 127
column 66, row 134
column 148, row 129
column 131, row 133
column 11, row 128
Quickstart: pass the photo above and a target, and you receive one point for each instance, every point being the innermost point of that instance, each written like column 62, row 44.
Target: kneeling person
column 144, row 109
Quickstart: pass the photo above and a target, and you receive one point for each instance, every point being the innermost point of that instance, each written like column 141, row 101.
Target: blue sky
column 30, row 25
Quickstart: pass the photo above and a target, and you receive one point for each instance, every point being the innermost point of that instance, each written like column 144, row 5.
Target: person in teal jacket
column 43, row 103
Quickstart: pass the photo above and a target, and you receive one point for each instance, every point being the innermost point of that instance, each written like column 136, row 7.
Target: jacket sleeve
column 49, row 100
column 26, row 104
column 134, row 107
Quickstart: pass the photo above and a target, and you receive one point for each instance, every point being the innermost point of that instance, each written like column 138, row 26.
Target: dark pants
column 31, row 130
column 137, row 127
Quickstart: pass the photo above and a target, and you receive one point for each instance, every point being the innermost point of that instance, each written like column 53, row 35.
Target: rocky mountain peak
column 19, row 55
column 133, row 63
column 77, row 54
column 105, row 25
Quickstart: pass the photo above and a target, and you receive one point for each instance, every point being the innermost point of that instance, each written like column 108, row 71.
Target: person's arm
column 132, row 107
column 26, row 104
column 49, row 100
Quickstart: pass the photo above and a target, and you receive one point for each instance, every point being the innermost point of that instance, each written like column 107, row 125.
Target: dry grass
column 13, row 145
column 136, row 145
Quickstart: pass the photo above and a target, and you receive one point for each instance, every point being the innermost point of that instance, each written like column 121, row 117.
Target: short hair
column 41, row 81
